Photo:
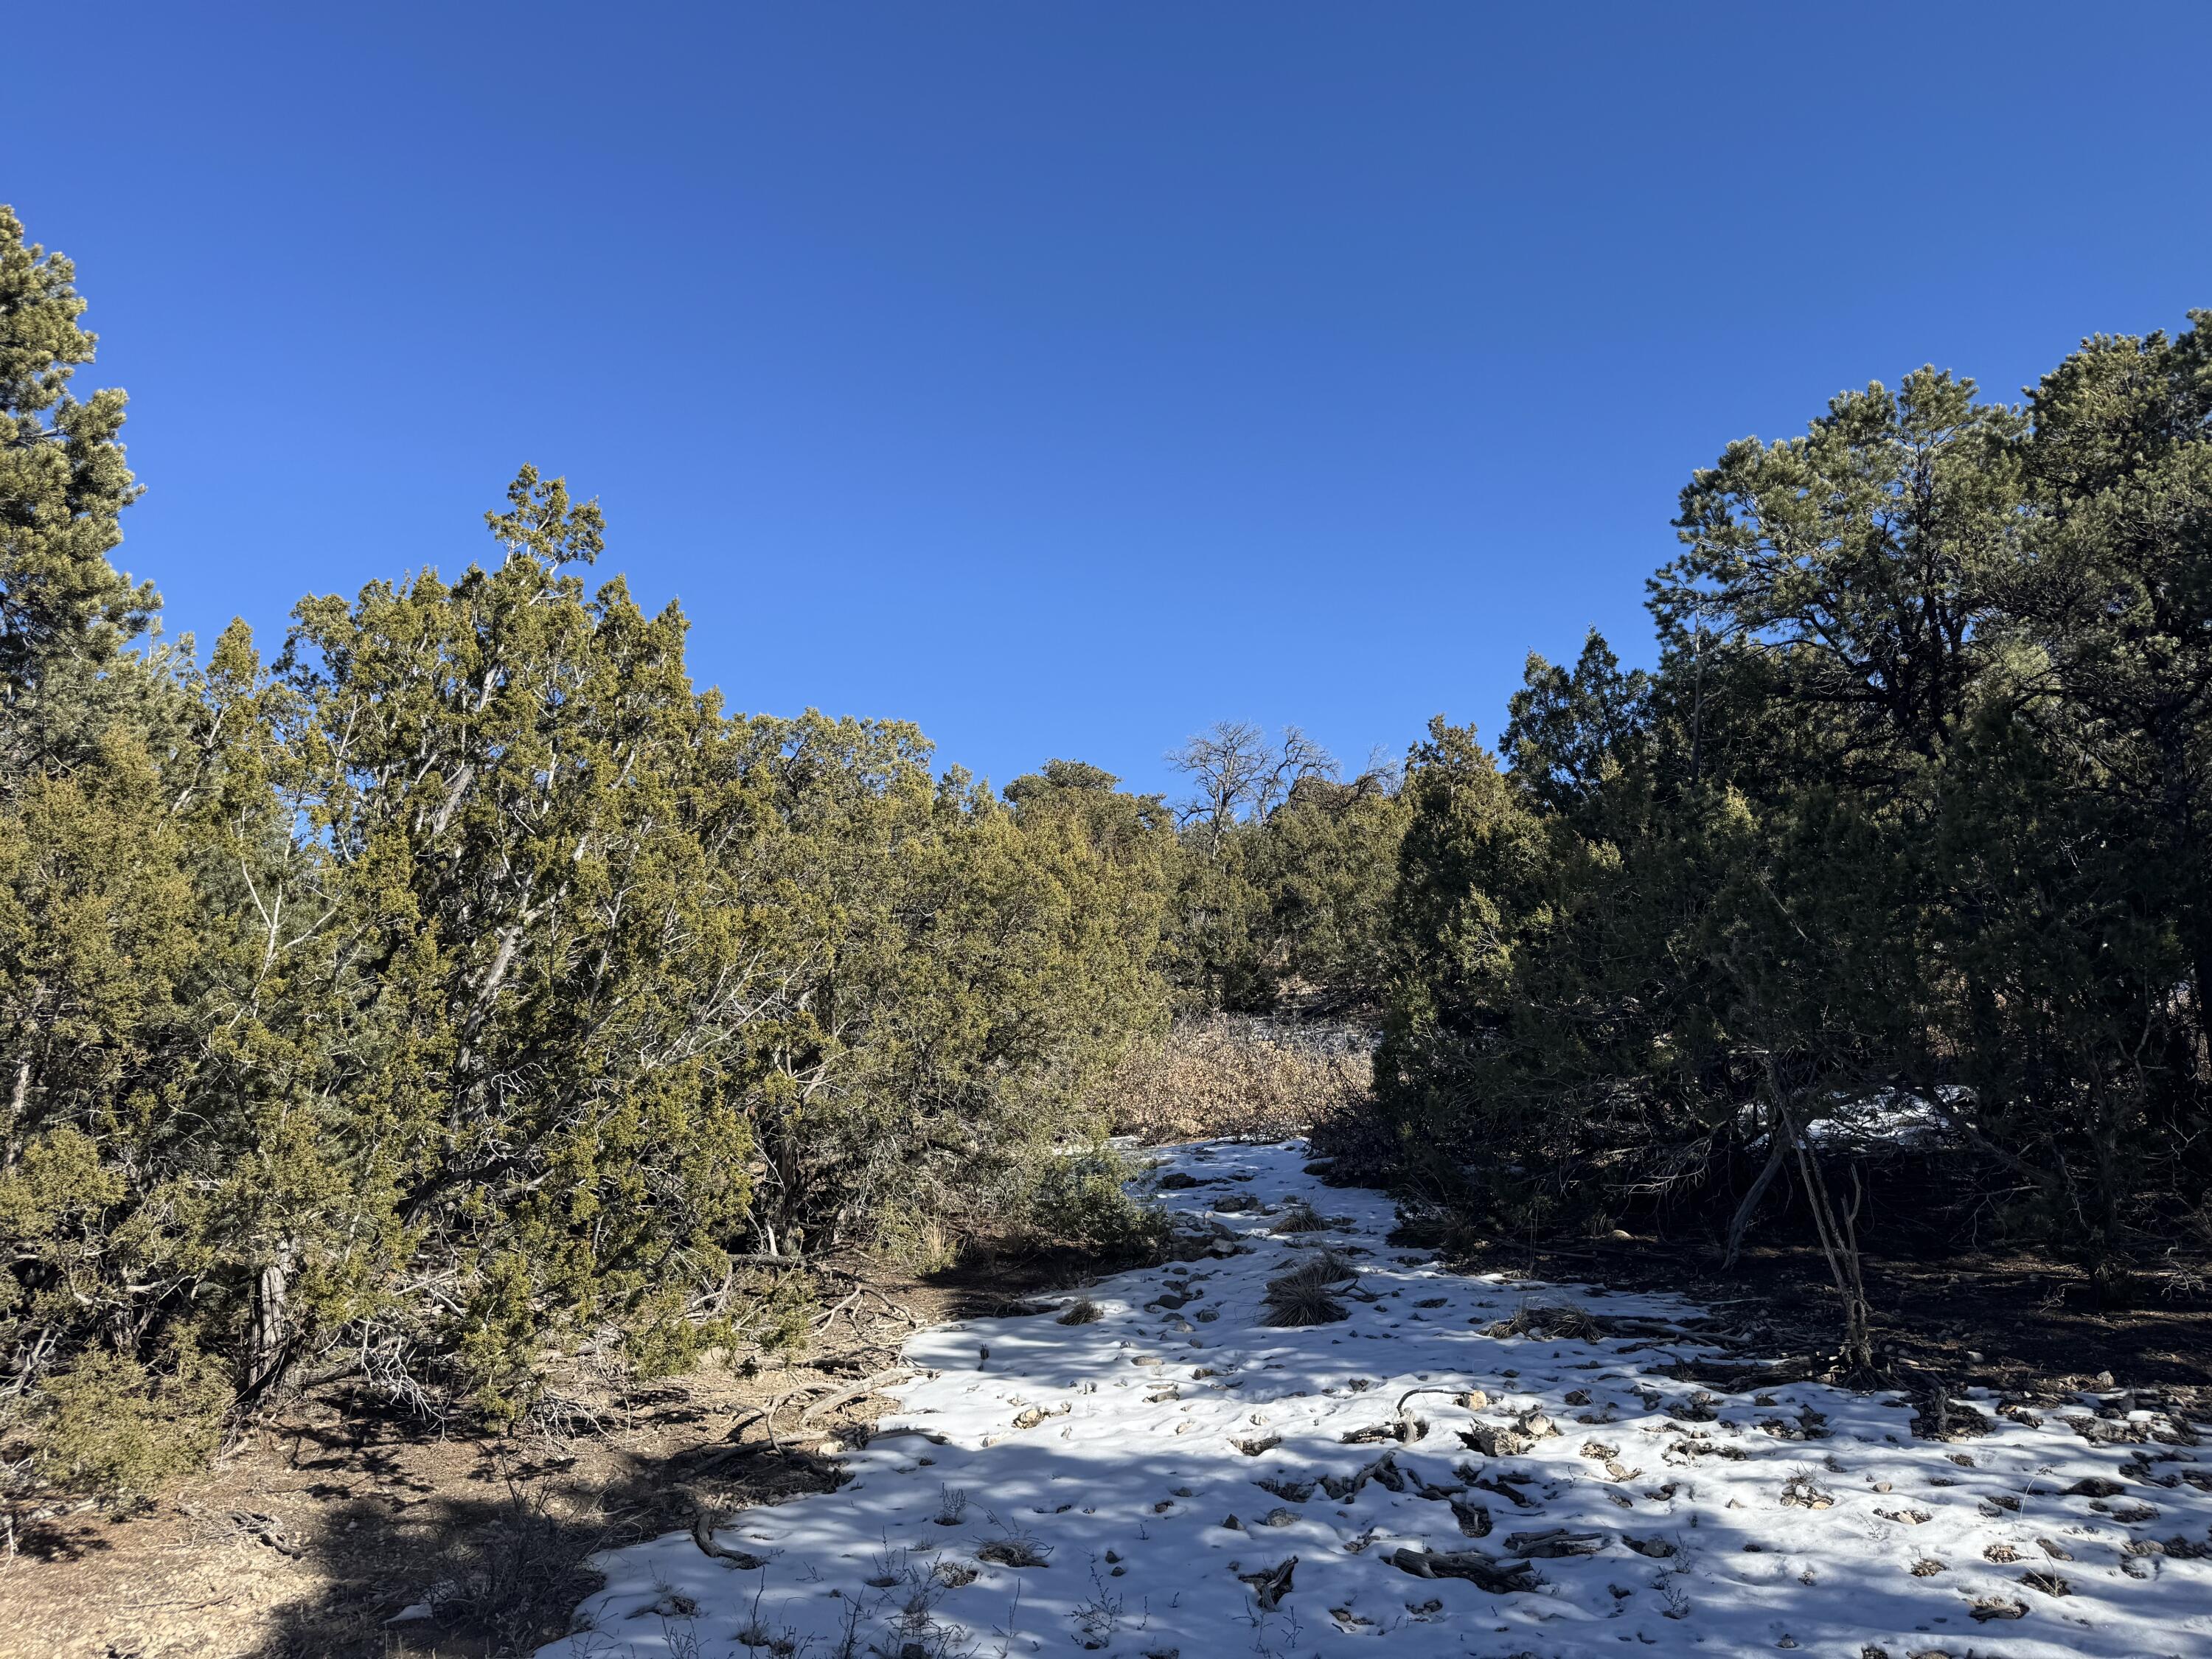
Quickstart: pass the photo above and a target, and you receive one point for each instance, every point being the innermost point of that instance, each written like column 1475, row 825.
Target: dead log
column 1484, row 1571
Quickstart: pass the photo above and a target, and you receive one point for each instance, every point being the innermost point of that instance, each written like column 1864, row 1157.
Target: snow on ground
column 1177, row 1478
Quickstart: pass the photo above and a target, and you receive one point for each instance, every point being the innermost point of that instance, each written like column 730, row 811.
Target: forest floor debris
column 1214, row 1489
column 342, row 1529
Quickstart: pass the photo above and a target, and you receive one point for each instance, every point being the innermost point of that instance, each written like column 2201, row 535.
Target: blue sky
column 1062, row 377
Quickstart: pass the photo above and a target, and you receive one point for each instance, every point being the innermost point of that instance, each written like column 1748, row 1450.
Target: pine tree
column 63, row 484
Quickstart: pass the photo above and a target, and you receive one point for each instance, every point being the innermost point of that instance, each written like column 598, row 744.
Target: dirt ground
column 2019, row 1324
column 320, row 1536
column 342, row 1531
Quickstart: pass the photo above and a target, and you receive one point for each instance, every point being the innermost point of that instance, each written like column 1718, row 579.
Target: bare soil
column 2017, row 1323
column 339, row 1516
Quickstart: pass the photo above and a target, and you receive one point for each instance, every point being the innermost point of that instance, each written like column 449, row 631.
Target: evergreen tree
column 63, row 484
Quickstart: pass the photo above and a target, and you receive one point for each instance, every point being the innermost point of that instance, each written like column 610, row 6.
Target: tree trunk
column 269, row 1341
column 1741, row 1224
column 1839, row 1241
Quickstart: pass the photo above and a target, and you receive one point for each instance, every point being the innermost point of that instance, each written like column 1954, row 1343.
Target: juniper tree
column 1913, row 802
column 467, row 984
column 513, row 784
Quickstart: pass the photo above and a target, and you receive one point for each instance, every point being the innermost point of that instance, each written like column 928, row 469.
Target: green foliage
column 1912, row 806
column 63, row 481
column 1082, row 1199
column 113, row 1427
column 1285, row 876
column 466, row 985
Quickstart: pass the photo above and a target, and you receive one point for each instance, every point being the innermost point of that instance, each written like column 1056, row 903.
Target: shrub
column 1082, row 1199
column 1226, row 1075
column 109, row 1425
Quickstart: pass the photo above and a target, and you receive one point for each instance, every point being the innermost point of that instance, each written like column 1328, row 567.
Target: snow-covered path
column 1141, row 1484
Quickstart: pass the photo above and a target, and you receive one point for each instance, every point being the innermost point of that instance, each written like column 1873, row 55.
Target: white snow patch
column 1117, row 1452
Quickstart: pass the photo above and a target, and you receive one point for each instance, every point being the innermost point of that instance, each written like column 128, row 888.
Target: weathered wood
column 1555, row 1541
column 1483, row 1571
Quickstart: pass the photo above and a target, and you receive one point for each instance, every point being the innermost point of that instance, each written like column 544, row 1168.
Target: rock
column 2095, row 1485
column 1497, row 1440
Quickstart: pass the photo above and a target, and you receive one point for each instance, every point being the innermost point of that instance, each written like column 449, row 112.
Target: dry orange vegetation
column 1231, row 1076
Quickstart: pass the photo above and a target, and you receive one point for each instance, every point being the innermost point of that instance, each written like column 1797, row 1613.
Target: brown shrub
column 1224, row 1076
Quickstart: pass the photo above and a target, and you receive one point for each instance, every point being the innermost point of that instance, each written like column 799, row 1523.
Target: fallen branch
column 858, row 1391
column 702, row 1534
column 1483, row 1571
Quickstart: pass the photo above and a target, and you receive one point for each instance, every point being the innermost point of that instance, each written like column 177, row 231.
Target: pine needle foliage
column 1909, row 818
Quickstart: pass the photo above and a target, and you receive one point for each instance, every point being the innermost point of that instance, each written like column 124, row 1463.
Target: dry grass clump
column 1300, row 1217
column 1299, row 1305
column 1551, row 1324
column 1230, row 1076
column 1304, row 1296
column 1321, row 1267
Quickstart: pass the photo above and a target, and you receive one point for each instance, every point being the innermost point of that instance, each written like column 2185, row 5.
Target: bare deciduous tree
column 1238, row 773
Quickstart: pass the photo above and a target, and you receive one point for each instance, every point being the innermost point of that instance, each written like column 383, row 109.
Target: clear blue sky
column 1064, row 376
